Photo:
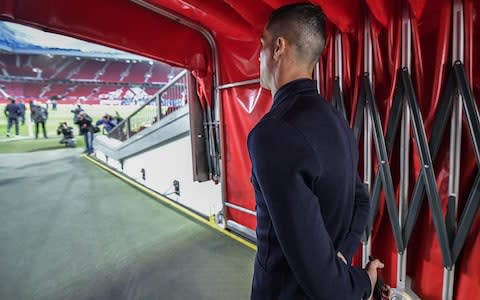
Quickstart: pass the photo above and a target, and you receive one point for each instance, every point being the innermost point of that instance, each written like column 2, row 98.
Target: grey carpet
column 69, row 230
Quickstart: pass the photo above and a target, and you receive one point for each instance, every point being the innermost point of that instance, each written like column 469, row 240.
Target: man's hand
column 386, row 292
column 372, row 272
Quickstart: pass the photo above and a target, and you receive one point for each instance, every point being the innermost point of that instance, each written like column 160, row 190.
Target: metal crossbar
column 451, row 239
column 471, row 108
column 443, row 112
column 456, row 83
column 384, row 173
column 473, row 117
column 428, row 173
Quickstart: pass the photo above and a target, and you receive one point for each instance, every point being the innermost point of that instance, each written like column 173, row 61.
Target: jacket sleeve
column 361, row 210
column 282, row 162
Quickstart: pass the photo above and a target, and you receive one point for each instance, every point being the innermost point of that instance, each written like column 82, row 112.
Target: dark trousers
column 43, row 128
column 88, row 142
column 12, row 121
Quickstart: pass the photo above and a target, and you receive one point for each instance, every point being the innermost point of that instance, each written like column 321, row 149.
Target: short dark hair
column 302, row 25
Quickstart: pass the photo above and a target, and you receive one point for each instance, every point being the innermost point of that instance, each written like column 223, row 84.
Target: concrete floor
column 69, row 230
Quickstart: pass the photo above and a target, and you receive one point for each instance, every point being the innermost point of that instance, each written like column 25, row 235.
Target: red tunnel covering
column 236, row 26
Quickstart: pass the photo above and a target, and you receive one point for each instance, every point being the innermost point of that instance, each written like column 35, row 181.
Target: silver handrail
column 117, row 131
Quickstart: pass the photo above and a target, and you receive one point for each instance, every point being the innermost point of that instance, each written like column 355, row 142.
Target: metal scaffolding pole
column 367, row 136
column 458, row 39
column 404, row 149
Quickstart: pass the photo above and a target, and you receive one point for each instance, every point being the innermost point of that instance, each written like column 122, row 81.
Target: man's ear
column 279, row 47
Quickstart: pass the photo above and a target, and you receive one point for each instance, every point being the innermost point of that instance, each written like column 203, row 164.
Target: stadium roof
column 15, row 38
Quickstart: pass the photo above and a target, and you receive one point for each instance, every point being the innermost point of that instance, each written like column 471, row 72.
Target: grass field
column 26, row 141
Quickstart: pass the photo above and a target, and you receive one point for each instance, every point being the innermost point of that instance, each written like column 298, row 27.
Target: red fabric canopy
column 236, row 26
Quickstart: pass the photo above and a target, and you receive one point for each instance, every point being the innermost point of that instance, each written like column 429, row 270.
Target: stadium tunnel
column 402, row 73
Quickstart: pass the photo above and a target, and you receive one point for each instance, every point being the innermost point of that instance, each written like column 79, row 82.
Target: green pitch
column 26, row 141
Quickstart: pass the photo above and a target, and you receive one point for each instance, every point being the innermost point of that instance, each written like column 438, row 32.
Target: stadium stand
column 151, row 91
column 80, row 91
column 113, row 71
column 41, row 76
column 137, row 72
column 103, row 91
column 13, row 89
column 64, row 69
column 88, row 70
column 55, row 90
column 160, row 73
column 32, row 90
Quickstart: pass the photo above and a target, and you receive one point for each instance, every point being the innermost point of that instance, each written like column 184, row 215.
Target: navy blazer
column 310, row 201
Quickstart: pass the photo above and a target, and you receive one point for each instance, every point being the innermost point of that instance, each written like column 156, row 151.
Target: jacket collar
column 293, row 88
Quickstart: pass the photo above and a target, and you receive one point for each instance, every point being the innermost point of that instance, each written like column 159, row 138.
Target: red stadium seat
column 65, row 74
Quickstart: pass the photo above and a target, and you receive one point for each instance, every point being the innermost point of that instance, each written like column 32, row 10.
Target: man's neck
column 282, row 80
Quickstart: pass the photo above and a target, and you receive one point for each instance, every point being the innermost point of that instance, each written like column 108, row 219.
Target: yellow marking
column 211, row 222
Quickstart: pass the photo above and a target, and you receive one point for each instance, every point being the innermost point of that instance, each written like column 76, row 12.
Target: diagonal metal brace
column 468, row 216
column 438, row 129
column 392, row 128
column 471, row 108
column 384, row 166
column 428, row 173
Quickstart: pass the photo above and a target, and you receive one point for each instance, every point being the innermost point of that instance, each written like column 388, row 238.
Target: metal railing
column 451, row 231
column 405, row 118
column 170, row 98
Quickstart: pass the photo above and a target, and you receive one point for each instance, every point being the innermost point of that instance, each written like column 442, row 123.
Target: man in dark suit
column 12, row 112
column 39, row 115
column 311, row 204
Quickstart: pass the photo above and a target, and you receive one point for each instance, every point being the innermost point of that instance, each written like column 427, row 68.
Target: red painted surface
column 236, row 26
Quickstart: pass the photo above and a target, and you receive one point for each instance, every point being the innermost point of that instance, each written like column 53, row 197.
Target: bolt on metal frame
column 456, row 93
